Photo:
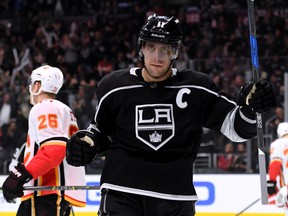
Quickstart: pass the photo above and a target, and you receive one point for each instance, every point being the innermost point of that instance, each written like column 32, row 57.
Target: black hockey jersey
column 155, row 130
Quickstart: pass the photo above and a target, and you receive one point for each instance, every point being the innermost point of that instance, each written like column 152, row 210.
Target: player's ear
column 36, row 86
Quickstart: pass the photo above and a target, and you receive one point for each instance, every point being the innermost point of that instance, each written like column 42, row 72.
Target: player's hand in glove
column 257, row 96
column 13, row 185
column 271, row 187
column 81, row 148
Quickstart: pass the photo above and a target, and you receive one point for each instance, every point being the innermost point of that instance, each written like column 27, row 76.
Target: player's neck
column 42, row 97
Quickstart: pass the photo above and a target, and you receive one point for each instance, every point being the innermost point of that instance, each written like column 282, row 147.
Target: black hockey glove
column 257, row 97
column 13, row 185
column 271, row 187
column 81, row 148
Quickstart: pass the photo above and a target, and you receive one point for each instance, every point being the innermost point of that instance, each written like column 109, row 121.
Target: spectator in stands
column 240, row 160
column 10, row 135
column 238, row 80
column 82, row 107
column 7, row 109
column 273, row 122
column 105, row 66
column 226, row 159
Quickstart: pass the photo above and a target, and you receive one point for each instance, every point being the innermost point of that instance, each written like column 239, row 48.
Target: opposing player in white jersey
column 51, row 123
column 278, row 170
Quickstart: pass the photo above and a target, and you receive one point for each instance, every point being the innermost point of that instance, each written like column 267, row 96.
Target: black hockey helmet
column 161, row 29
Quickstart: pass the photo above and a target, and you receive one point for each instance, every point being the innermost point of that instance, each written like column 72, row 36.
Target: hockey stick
column 255, row 70
column 247, row 207
column 39, row 188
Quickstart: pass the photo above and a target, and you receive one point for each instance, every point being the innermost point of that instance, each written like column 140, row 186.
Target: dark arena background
column 88, row 39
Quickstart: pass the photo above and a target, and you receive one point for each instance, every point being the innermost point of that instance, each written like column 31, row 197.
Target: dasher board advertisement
column 219, row 195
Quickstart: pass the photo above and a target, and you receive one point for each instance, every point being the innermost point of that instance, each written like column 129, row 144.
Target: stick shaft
column 248, row 207
column 39, row 188
column 255, row 70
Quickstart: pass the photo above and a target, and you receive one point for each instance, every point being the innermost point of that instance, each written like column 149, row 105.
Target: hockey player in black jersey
column 148, row 124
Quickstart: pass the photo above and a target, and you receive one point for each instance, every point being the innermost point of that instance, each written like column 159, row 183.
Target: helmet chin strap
column 32, row 94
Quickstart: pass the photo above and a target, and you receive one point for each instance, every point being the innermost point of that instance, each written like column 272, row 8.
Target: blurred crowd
column 88, row 39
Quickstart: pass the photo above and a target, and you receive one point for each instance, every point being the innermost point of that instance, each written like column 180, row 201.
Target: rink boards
column 219, row 195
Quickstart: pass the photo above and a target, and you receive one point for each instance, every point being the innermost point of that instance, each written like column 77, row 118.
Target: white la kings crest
column 154, row 124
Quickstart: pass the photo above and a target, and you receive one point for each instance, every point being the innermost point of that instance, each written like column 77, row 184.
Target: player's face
column 157, row 59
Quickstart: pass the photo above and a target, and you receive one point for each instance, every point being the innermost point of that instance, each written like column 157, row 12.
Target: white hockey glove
column 281, row 198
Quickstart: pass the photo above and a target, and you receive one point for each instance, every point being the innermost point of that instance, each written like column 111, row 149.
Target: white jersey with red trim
column 51, row 123
column 278, row 165
column 278, row 152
